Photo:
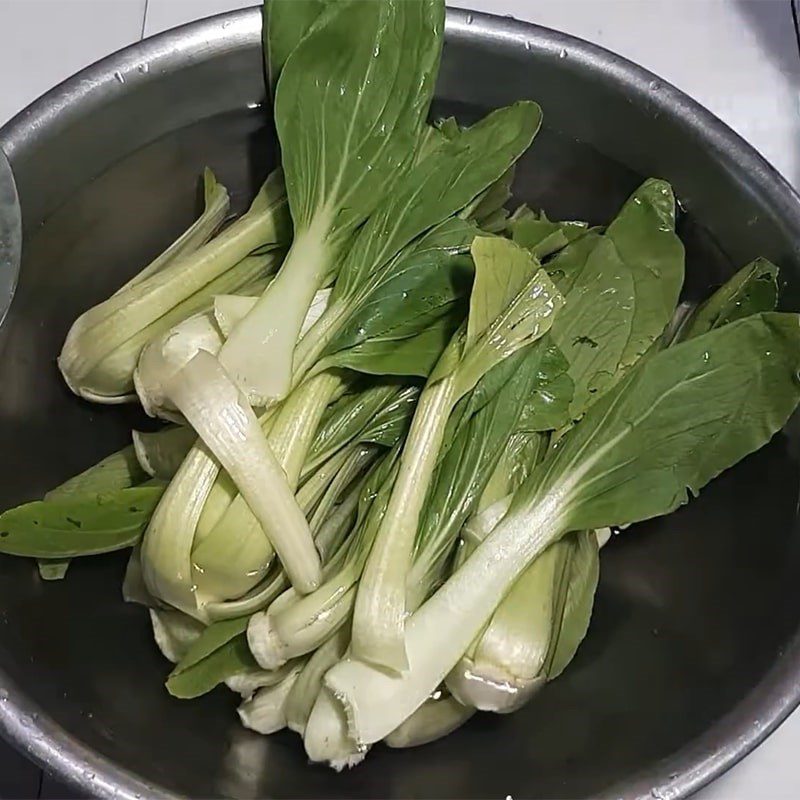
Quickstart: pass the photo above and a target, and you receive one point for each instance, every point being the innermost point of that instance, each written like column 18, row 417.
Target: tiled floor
column 737, row 57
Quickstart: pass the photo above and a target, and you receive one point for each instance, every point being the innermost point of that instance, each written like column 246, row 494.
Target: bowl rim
column 730, row 738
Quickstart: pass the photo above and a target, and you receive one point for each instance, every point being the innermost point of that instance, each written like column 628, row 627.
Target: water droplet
column 654, row 86
column 341, row 91
column 706, row 357
column 470, row 19
column 120, row 77
column 144, row 68
column 377, row 51
column 226, row 24
column 562, row 53
column 528, row 44
column 253, row 105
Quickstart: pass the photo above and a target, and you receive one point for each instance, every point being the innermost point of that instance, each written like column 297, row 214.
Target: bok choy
column 403, row 420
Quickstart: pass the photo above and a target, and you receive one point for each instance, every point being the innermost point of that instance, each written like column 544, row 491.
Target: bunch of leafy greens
column 397, row 408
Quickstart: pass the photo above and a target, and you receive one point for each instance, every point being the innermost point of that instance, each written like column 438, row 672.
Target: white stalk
column 260, row 350
column 167, row 543
column 164, row 356
column 509, row 662
column 222, row 417
column 235, row 555
column 265, row 711
column 252, row 602
column 309, row 683
column 380, row 607
column 505, row 667
column 174, row 632
column 276, row 637
column 248, row 683
column 375, row 702
column 230, row 309
column 326, row 737
column 103, row 345
column 438, row 716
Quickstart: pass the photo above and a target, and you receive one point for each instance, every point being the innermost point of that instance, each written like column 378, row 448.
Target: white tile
column 738, row 58
column 165, row 14
column 42, row 42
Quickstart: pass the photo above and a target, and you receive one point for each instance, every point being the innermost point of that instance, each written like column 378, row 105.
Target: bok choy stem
column 224, row 420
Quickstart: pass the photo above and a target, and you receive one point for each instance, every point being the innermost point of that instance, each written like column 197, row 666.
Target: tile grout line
column 796, row 22
column 144, row 19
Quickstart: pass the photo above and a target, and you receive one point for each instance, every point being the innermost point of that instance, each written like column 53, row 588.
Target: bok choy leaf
column 671, row 425
column 102, row 347
column 365, row 71
column 512, row 304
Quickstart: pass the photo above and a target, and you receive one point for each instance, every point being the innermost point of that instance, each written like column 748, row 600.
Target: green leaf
column 439, row 186
column 78, row 526
column 232, row 658
column 541, row 236
column 120, row 470
column 512, row 304
column 365, row 73
column 545, row 406
column 161, row 453
column 674, row 423
column 286, row 23
column 643, row 235
column 414, row 355
column 753, row 289
column 621, row 289
column 422, row 294
column 390, row 424
column 501, row 270
column 487, row 208
column 210, row 640
column 343, row 421
column 379, row 415
column 492, row 413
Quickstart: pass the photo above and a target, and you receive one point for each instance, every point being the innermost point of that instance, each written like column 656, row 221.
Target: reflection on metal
column 10, row 235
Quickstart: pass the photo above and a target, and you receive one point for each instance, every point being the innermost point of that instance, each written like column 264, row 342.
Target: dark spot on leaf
column 134, row 510
column 36, row 522
column 584, row 340
column 3, row 534
column 76, row 522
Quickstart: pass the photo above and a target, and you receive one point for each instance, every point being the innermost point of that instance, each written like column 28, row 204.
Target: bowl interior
column 692, row 609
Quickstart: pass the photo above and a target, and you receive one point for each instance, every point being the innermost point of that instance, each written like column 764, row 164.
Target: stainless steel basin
column 693, row 655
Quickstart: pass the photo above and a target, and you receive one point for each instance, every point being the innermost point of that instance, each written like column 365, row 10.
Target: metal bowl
column 693, row 654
